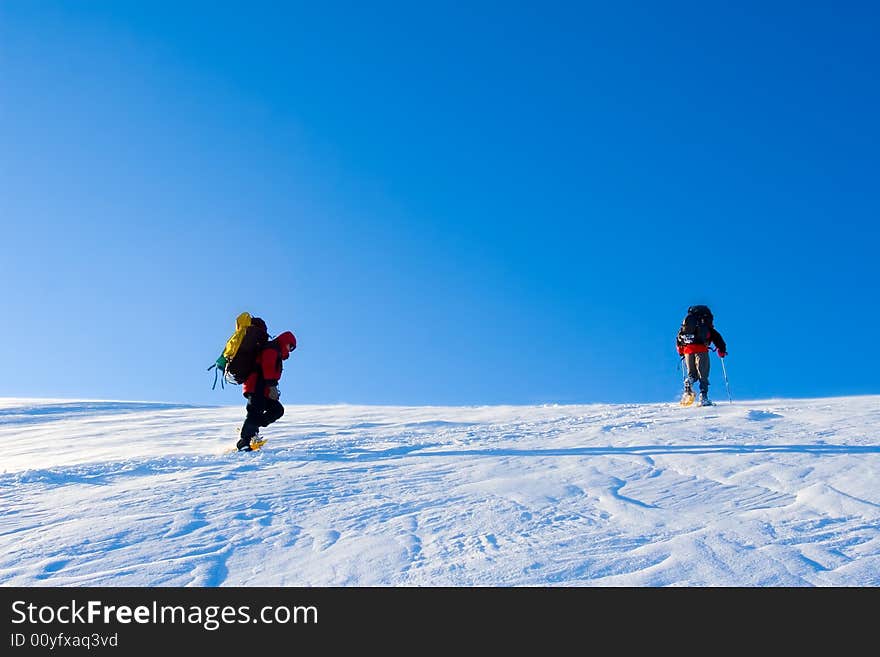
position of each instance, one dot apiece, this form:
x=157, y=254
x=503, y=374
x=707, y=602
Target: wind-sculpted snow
x=762, y=493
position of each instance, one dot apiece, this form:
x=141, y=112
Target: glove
x=272, y=393
x=721, y=354
x=221, y=363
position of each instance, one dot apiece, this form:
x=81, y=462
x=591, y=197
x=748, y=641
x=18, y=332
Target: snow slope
x=778, y=492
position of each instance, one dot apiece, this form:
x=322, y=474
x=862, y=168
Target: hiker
x=261, y=389
x=697, y=332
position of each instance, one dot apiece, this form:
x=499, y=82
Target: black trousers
x=261, y=412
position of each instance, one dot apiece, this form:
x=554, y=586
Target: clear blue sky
x=503, y=203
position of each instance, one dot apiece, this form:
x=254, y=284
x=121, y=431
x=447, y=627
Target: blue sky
x=495, y=204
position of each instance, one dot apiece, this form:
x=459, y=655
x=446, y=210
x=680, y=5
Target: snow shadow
x=759, y=416
x=632, y=450
x=99, y=474
x=69, y=410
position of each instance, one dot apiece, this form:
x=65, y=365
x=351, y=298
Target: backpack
x=239, y=358
x=696, y=328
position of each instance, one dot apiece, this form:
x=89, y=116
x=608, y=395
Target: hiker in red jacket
x=261, y=389
x=697, y=332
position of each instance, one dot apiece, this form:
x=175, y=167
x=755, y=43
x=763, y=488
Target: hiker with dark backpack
x=251, y=359
x=261, y=390
x=239, y=356
x=697, y=332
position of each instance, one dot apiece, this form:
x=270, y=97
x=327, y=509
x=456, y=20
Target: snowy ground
x=760, y=493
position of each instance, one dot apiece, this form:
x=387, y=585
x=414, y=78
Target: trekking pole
x=726, y=382
x=684, y=376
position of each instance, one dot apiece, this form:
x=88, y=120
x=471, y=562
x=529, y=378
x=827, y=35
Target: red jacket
x=693, y=349
x=714, y=337
x=269, y=363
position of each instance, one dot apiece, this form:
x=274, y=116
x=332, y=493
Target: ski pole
x=726, y=382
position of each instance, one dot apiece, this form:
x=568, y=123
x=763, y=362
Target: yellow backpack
x=239, y=355
x=233, y=343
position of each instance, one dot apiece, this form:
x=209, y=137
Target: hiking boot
x=243, y=445
x=687, y=387
x=704, y=399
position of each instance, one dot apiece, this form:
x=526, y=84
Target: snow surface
x=780, y=492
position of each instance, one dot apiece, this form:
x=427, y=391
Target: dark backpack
x=696, y=328
x=244, y=362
